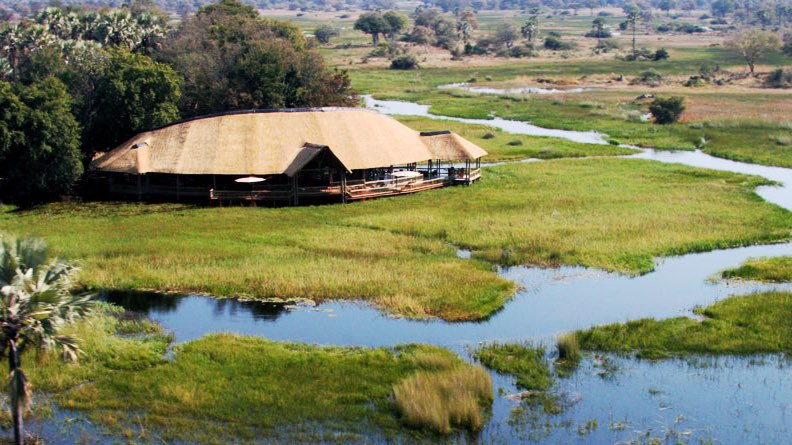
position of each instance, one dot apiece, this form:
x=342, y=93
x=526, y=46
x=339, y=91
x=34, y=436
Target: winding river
x=725, y=399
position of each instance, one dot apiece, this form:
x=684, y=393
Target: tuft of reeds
x=568, y=354
x=441, y=401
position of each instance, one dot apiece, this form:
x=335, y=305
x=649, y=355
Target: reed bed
x=441, y=401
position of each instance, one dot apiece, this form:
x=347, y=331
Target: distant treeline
x=761, y=10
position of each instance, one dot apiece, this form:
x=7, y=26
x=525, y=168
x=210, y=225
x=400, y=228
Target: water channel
x=723, y=399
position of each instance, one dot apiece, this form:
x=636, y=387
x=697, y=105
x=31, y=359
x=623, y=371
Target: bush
x=667, y=110
x=787, y=48
x=488, y=136
x=556, y=44
x=515, y=143
x=324, y=33
x=404, y=62
x=650, y=78
x=607, y=45
x=779, y=79
x=388, y=50
x=660, y=54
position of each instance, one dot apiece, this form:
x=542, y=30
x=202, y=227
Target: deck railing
x=355, y=189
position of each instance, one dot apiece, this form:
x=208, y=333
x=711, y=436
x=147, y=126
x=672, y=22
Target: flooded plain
x=609, y=399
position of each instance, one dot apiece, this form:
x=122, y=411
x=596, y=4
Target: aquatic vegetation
x=777, y=269
x=225, y=386
x=568, y=354
x=757, y=323
x=524, y=361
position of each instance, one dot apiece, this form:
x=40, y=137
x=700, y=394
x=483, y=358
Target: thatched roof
x=451, y=146
x=280, y=141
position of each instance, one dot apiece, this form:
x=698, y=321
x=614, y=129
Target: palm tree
x=35, y=305
x=11, y=43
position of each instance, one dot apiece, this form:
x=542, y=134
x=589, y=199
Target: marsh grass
x=751, y=324
x=441, y=400
x=224, y=387
x=569, y=355
x=525, y=361
x=775, y=269
x=400, y=253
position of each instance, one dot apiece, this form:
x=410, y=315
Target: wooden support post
x=343, y=187
x=467, y=170
x=295, y=198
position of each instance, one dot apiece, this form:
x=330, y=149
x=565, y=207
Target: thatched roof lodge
x=288, y=156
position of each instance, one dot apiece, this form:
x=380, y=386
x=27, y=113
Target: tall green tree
x=134, y=94
x=39, y=141
x=36, y=303
x=372, y=23
x=397, y=22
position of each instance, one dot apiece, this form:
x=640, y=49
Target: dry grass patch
x=442, y=400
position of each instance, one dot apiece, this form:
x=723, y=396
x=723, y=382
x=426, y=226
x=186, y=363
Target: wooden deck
x=351, y=190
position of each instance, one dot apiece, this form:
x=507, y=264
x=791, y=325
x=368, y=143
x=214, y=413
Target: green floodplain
x=400, y=254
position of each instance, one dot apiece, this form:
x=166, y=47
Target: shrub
x=660, y=54
x=779, y=79
x=650, y=78
x=606, y=45
x=787, y=47
x=488, y=136
x=667, y=110
x=404, y=62
x=515, y=142
x=324, y=33
x=556, y=44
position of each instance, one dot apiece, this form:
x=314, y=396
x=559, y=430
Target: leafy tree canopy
x=39, y=141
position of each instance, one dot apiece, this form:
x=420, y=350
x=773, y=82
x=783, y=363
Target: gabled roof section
x=448, y=145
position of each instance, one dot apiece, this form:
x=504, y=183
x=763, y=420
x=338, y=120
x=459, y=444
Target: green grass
x=501, y=146
x=757, y=323
x=614, y=214
x=525, y=362
x=776, y=269
x=229, y=388
x=397, y=253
